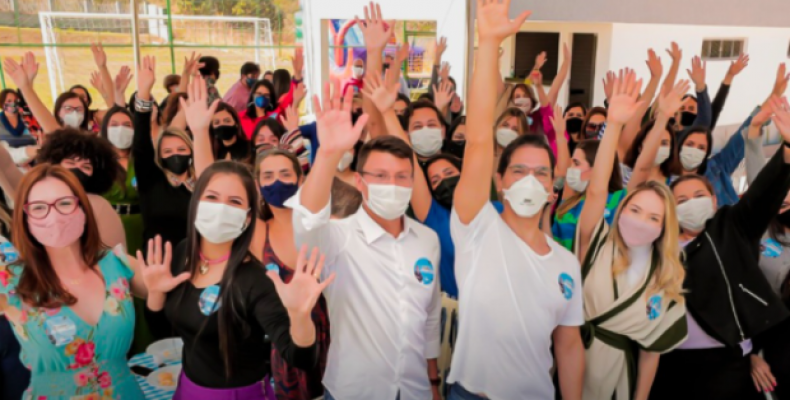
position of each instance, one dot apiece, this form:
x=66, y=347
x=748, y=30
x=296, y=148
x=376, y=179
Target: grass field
x=77, y=62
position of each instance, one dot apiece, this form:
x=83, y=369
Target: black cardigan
x=738, y=303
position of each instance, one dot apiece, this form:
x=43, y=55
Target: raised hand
x=301, y=293
x=196, y=109
x=608, y=84
x=782, y=77
x=624, y=101
x=566, y=53
x=441, y=46
x=654, y=64
x=675, y=52
x=290, y=119
x=16, y=72
x=191, y=65
x=146, y=77
x=443, y=95
x=540, y=61
x=375, y=30
x=781, y=116
x=333, y=120
x=558, y=122
x=99, y=56
x=762, y=117
x=669, y=103
x=298, y=62
x=738, y=65
x=536, y=77
x=122, y=80
x=299, y=94
x=96, y=81
x=697, y=73
x=382, y=94
x=402, y=54
x=157, y=276
x=493, y=22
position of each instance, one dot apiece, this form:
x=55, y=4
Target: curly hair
x=68, y=142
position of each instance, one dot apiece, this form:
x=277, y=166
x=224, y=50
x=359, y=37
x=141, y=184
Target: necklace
x=205, y=262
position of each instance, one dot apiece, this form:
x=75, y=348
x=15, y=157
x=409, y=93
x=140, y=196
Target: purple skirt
x=188, y=390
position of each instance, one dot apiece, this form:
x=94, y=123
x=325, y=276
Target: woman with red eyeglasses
x=68, y=297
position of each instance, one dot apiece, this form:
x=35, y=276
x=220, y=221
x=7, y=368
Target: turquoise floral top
x=69, y=359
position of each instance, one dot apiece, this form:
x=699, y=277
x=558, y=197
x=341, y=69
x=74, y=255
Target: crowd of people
x=502, y=247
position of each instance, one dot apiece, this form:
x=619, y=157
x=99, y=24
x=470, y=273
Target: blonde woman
x=631, y=272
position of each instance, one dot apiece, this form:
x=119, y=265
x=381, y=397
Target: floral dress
x=69, y=359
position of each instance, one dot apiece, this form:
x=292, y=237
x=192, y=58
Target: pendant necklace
x=205, y=262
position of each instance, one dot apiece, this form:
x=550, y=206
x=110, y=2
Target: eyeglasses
x=384, y=178
x=40, y=209
x=69, y=109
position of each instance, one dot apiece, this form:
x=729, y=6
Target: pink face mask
x=58, y=230
x=636, y=232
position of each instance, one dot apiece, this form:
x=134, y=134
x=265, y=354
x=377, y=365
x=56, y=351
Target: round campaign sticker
x=654, y=307
x=566, y=285
x=209, y=300
x=423, y=271
x=8, y=253
x=272, y=267
x=770, y=248
x=134, y=182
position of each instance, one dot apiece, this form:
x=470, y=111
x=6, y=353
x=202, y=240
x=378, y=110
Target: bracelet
x=436, y=382
x=142, y=105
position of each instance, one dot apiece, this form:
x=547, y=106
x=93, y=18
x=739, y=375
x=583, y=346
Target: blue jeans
x=457, y=392
x=14, y=377
x=328, y=396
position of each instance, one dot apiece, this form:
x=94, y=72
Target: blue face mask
x=278, y=192
x=261, y=102
x=251, y=82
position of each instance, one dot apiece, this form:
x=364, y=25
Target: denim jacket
x=722, y=165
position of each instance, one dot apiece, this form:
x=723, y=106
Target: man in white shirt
x=385, y=303
x=519, y=291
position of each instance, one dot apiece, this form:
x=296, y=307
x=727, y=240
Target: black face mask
x=85, y=179
x=456, y=148
x=574, y=125
x=225, y=132
x=445, y=190
x=784, y=219
x=177, y=164
x=687, y=118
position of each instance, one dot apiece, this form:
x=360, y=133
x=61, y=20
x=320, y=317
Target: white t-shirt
x=510, y=301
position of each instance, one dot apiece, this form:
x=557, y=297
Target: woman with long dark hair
x=68, y=296
x=228, y=141
x=216, y=291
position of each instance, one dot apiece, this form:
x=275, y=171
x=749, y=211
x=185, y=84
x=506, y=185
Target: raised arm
x=198, y=114
x=724, y=90
x=563, y=151
x=106, y=94
x=622, y=106
x=493, y=27
x=191, y=66
x=635, y=123
x=384, y=96
x=143, y=152
x=677, y=55
x=122, y=81
x=667, y=105
x=23, y=74
x=697, y=73
x=441, y=46
x=10, y=175
x=376, y=33
x=753, y=153
x=562, y=76
x=100, y=58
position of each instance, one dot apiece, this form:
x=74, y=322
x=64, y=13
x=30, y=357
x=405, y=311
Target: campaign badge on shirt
x=607, y=213
x=423, y=271
x=209, y=300
x=566, y=285
x=654, y=307
x=60, y=330
x=8, y=253
x=134, y=182
x=770, y=248
x=273, y=267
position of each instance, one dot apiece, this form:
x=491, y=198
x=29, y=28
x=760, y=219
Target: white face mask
x=505, y=135
x=662, y=155
x=693, y=214
x=527, y=196
x=220, y=223
x=345, y=162
x=524, y=104
x=358, y=71
x=691, y=157
x=426, y=141
x=388, y=201
x=73, y=119
x=574, y=180
x=120, y=136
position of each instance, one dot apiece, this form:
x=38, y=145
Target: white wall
x=767, y=47
x=450, y=16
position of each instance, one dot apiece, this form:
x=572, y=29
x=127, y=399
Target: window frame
x=708, y=42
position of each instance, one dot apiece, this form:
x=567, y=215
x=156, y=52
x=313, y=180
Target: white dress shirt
x=384, y=305
x=511, y=299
